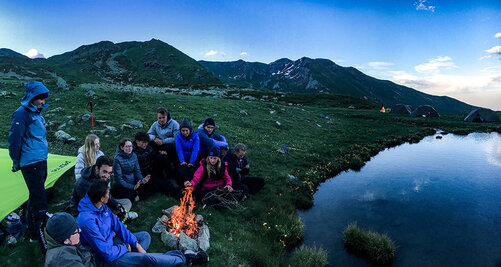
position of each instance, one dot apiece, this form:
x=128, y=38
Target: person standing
x=28, y=150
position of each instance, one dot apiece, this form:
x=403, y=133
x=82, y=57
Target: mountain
x=5, y=52
x=307, y=75
x=150, y=63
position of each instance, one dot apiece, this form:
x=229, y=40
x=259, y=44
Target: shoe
x=131, y=215
x=136, y=199
x=193, y=258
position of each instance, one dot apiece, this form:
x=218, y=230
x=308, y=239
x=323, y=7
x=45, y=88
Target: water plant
x=377, y=248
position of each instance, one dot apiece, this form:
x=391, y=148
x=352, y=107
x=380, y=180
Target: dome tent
x=401, y=109
x=425, y=111
x=482, y=115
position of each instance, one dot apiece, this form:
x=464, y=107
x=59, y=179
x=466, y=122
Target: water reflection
x=440, y=200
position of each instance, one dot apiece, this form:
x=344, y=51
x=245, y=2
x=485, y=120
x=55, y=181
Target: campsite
x=296, y=146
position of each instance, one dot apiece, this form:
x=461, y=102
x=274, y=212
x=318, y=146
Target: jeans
x=35, y=175
x=134, y=258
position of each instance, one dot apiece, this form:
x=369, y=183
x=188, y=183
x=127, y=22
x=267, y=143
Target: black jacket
x=236, y=166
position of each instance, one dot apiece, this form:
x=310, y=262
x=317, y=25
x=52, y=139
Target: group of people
x=167, y=158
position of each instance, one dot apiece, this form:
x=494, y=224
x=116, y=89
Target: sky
x=440, y=47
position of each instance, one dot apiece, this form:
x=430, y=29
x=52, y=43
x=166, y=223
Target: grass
x=312, y=257
x=311, y=144
x=377, y=248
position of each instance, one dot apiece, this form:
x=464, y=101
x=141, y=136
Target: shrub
x=378, y=248
x=305, y=256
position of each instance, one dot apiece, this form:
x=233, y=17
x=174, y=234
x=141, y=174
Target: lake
x=439, y=200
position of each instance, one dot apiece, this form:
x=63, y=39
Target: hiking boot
x=131, y=215
x=193, y=258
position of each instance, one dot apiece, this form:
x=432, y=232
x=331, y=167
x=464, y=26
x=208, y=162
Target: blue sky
x=439, y=47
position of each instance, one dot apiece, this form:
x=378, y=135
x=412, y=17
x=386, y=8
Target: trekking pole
x=91, y=115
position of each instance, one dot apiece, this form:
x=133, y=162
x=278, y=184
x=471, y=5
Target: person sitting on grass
x=238, y=168
x=208, y=138
x=87, y=154
x=187, y=145
x=63, y=243
x=113, y=243
x=101, y=170
x=151, y=165
x=211, y=175
x=128, y=178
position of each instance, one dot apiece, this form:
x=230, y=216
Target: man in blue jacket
x=208, y=138
x=28, y=150
x=99, y=226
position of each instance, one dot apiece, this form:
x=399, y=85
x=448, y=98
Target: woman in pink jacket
x=211, y=175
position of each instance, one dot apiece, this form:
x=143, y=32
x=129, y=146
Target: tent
x=425, y=111
x=13, y=191
x=401, y=109
x=482, y=115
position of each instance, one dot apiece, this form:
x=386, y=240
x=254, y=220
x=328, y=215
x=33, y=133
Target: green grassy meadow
x=294, y=145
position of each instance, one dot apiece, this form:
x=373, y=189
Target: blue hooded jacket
x=187, y=148
x=207, y=141
x=98, y=228
x=27, y=135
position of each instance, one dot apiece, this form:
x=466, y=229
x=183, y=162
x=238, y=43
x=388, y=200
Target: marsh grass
x=306, y=256
x=311, y=144
x=377, y=248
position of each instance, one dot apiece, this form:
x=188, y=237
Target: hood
x=33, y=89
x=51, y=243
x=86, y=205
x=186, y=124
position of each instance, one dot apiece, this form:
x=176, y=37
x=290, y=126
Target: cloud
x=484, y=57
x=211, y=53
x=421, y=5
x=244, y=54
x=433, y=65
x=494, y=50
x=33, y=53
x=497, y=35
x=379, y=65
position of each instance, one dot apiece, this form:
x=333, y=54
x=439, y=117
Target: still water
x=439, y=200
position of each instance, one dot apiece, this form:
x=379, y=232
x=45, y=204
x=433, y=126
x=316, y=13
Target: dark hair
x=97, y=190
x=142, y=136
x=240, y=147
x=104, y=160
x=123, y=141
x=162, y=111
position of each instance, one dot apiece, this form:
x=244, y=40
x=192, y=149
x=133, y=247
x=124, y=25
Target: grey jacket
x=166, y=132
x=61, y=255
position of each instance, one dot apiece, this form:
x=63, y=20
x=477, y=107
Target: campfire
x=182, y=229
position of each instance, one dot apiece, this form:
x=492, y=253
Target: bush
x=378, y=248
x=305, y=256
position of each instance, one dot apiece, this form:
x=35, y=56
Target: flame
x=183, y=218
x=382, y=110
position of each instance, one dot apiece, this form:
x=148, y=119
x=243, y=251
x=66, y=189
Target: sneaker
x=131, y=215
x=193, y=258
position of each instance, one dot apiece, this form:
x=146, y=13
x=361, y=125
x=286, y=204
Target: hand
x=190, y=165
x=230, y=189
x=140, y=249
x=184, y=163
x=162, y=152
x=158, y=141
x=187, y=184
x=247, y=166
x=128, y=248
x=137, y=185
x=146, y=178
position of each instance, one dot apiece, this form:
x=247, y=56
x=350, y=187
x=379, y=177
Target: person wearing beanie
x=211, y=175
x=28, y=150
x=208, y=138
x=63, y=243
x=187, y=146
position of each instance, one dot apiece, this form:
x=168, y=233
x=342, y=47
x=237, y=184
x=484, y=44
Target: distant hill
x=5, y=52
x=151, y=63
x=308, y=75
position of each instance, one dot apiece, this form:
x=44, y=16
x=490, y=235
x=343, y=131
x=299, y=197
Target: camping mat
x=13, y=190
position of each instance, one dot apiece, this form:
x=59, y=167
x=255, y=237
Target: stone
x=63, y=136
x=90, y=94
x=278, y=123
x=169, y=210
x=272, y=112
x=351, y=107
x=159, y=226
x=170, y=240
x=61, y=83
x=110, y=128
x=280, y=150
x=135, y=124
x=71, y=122
x=58, y=109
x=243, y=112
x=318, y=125
x=292, y=177
x=248, y=97
x=98, y=132
x=62, y=127
x=185, y=243
x=203, y=238
x=86, y=117
x=199, y=218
